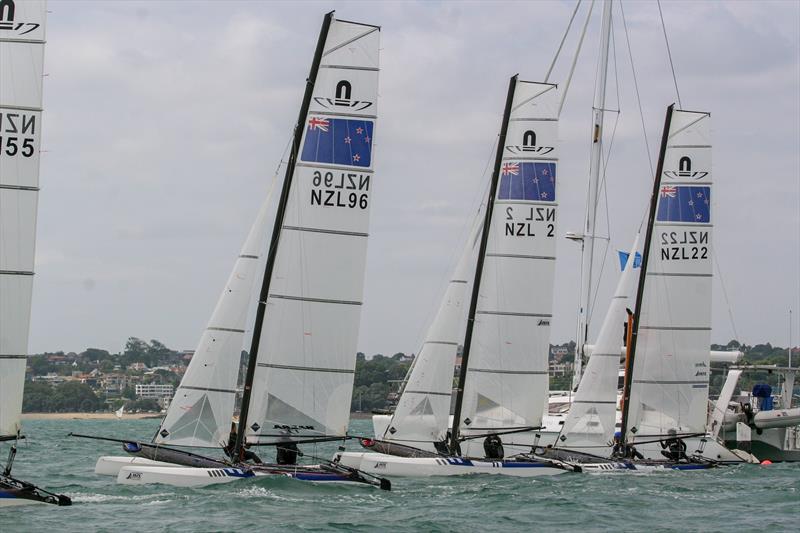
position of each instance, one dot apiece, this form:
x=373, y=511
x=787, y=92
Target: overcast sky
x=164, y=122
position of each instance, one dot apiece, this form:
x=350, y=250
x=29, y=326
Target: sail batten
x=21, y=70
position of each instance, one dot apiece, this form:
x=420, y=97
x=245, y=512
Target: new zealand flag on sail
x=338, y=141
x=681, y=203
x=528, y=181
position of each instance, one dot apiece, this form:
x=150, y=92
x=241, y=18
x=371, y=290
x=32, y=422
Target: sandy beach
x=86, y=416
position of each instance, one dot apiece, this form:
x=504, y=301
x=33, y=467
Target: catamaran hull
x=14, y=492
x=181, y=476
x=604, y=468
x=109, y=465
x=379, y=464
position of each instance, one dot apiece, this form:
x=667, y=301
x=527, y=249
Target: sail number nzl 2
x=684, y=245
x=526, y=222
x=340, y=189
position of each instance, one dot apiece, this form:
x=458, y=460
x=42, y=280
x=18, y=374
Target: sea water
x=737, y=498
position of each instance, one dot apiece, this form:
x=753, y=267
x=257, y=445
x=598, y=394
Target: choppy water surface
x=731, y=498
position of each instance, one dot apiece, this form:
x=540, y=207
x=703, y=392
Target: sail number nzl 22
x=340, y=189
x=684, y=245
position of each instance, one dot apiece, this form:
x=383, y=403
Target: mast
x=648, y=237
x=592, y=192
x=476, y=285
x=276, y=231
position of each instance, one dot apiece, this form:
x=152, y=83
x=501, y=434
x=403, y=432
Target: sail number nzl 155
x=17, y=134
x=340, y=189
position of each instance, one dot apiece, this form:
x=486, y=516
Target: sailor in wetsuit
x=287, y=453
x=674, y=448
x=493, y=447
x=624, y=451
x=245, y=455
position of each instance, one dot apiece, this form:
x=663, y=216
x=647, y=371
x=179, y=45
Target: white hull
x=189, y=476
x=379, y=464
x=638, y=468
x=179, y=476
x=513, y=444
x=523, y=443
x=711, y=450
x=16, y=502
x=110, y=465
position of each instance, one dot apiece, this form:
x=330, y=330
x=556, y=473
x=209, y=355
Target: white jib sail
x=22, y=26
x=423, y=412
x=201, y=410
x=303, y=380
x=592, y=417
x=507, y=375
x=670, y=374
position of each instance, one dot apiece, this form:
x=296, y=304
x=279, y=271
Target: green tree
x=37, y=397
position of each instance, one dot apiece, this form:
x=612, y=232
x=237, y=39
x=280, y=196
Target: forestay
x=592, y=417
x=507, y=375
x=303, y=380
x=423, y=412
x=669, y=389
x=22, y=33
x=201, y=410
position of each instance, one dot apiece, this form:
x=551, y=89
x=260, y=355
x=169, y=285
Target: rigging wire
x=575, y=60
x=603, y=185
x=638, y=97
x=564, y=38
x=669, y=54
x=725, y=294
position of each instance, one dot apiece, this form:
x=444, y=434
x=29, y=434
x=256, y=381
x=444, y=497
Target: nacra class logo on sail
x=8, y=24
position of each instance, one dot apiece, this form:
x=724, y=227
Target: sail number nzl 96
x=526, y=222
x=340, y=189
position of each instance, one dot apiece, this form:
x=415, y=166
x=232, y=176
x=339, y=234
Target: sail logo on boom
x=529, y=145
x=685, y=170
x=7, y=11
x=342, y=98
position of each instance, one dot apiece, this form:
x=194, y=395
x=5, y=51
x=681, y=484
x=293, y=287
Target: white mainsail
x=201, y=410
x=303, y=379
x=669, y=388
x=507, y=371
x=592, y=416
x=423, y=412
x=22, y=33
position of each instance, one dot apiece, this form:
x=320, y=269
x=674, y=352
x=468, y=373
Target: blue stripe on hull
x=516, y=464
x=319, y=477
x=691, y=467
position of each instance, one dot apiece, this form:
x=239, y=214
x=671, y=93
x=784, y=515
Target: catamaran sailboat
x=503, y=382
x=21, y=63
x=301, y=364
x=665, y=397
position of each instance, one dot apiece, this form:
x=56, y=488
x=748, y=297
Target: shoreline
x=88, y=416
x=126, y=416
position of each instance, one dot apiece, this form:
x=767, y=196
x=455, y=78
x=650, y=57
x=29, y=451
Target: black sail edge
x=453, y=445
x=276, y=231
x=626, y=393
